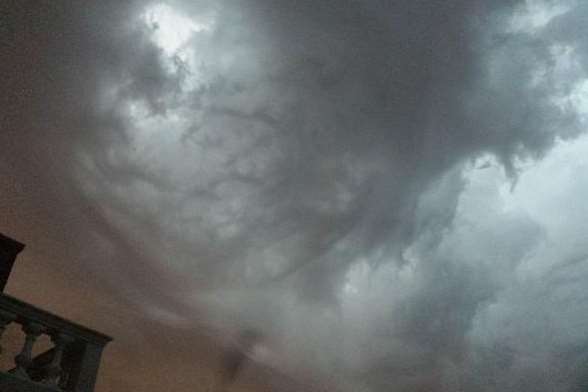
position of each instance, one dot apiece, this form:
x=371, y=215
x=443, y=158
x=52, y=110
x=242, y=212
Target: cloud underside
x=372, y=183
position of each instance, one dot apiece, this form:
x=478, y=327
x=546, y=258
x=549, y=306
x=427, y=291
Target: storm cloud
x=391, y=190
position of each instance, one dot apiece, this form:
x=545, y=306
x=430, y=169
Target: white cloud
x=171, y=28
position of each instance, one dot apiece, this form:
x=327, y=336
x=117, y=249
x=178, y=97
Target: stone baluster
x=5, y=319
x=24, y=359
x=54, y=370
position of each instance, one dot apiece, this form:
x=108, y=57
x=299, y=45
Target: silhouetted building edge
x=9, y=249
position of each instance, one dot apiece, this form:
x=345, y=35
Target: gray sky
x=391, y=191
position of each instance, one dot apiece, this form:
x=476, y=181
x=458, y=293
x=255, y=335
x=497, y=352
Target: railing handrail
x=26, y=312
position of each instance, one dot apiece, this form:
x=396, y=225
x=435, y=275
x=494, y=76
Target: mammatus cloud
x=328, y=172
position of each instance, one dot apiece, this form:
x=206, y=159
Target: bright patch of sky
x=171, y=29
x=535, y=14
x=174, y=32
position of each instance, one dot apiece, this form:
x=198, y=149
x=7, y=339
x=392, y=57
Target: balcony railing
x=70, y=366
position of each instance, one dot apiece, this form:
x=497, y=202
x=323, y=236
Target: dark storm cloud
x=281, y=148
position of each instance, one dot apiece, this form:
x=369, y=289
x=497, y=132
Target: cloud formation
x=328, y=172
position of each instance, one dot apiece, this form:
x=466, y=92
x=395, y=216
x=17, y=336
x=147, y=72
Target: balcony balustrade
x=71, y=365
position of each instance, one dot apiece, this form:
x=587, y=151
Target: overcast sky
x=392, y=191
